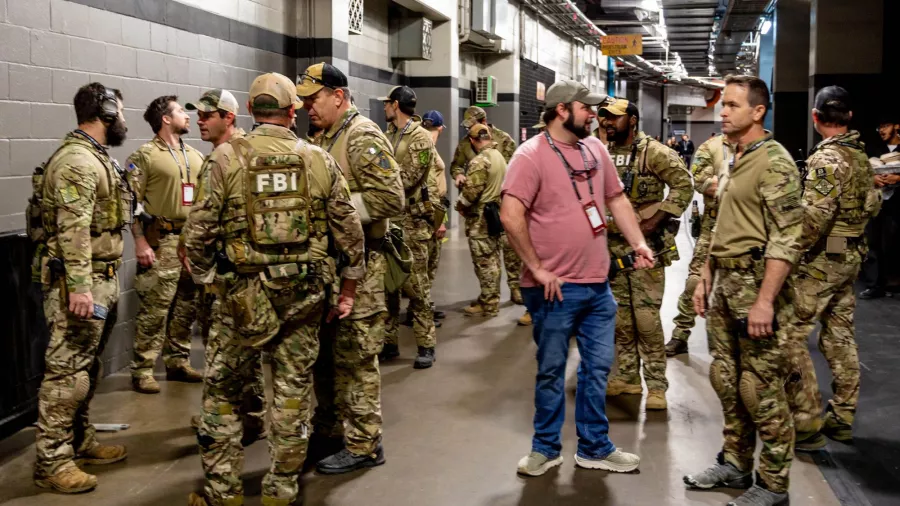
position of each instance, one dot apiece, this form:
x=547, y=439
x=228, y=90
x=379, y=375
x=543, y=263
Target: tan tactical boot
x=656, y=400
x=619, y=387
x=196, y=500
x=186, y=374
x=525, y=320
x=101, y=455
x=516, y=296
x=476, y=309
x=195, y=422
x=145, y=385
x=68, y=480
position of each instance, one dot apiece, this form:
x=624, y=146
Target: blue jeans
x=589, y=312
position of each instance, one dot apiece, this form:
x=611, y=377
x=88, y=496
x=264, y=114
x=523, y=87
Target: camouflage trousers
x=684, y=321
x=166, y=312
x=512, y=263
x=749, y=375
x=70, y=376
x=346, y=373
x=639, y=332
x=434, y=258
x=823, y=292
x=418, y=235
x=230, y=361
x=485, y=253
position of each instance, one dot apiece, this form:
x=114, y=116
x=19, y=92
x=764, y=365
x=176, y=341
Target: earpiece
x=109, y=105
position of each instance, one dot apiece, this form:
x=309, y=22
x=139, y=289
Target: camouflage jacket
x=464, y=152
x=760, y=204
x=708, y=161
x=413, y=149
x=222, y=213
x=483, y=182
x=86, y=204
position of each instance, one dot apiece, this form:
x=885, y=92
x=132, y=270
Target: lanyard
x=337, y=134
x=186, y=161
x=402, y=132
x=572, y=172
x=745, y=153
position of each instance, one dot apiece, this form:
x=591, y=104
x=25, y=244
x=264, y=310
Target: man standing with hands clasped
x=554, y=198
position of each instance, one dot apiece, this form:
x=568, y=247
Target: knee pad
x=82, y=387
x=750, y=388
x=715, y=378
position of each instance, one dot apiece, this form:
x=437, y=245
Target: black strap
x=589, y=168
x=337, y=134
x=402, y=133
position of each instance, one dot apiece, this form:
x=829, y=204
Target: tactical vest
x=273, y=218
x=642, y=185
x=859, y=202
x=34, y=222
x=377, y=228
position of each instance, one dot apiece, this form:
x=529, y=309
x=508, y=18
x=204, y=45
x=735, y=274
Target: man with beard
x=163, y=174
x=646, y=167
x=85, y=205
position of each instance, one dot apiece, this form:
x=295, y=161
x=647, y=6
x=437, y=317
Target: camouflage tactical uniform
x=760, y=218
x=86, y=204
x=347, y=378
x=275, y=299
x=437, y=185
x=156, y=179
x=482, y=186
x=839, y=197
x=639, y=333
x=413, y=152
x=707, y=162
x=463, y=155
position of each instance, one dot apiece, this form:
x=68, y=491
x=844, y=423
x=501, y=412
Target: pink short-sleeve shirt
x=559, y=228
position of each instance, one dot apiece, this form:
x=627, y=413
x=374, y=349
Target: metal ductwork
x=740, y=20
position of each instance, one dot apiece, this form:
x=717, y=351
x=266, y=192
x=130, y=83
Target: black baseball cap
x=318, y=76
x=833, y=97
x=402, y=94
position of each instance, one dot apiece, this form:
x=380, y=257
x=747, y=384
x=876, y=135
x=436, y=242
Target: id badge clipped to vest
x=598, y=224
x=187, y=194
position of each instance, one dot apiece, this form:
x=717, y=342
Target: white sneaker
x=536, y=464
x=617, y=462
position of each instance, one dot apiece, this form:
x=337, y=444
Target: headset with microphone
x=109, y=105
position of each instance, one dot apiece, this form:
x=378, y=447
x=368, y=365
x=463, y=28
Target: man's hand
x=759, y=321
x=145, y=255
x=643, y=257
x=182, y=255
x=81, y=305
x=880, y=180
x=700, y=294
x=651, y=224
x=713, y=187
x=891, y=178
x=441, y=231
x=461, y=180
x=343, y=309
x=551, y=283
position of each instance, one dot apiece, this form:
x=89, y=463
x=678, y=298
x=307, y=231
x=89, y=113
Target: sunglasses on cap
x=315, y=80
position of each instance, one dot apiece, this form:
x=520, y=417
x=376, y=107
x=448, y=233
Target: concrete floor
x=452, y=434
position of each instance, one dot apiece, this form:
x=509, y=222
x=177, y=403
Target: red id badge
x=595, y=218
x=187, y=194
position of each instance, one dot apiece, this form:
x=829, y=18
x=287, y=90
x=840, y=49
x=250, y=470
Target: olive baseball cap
x=619, y=107
x=318, y=76
x=473, y=115
x=480, y=132
x=214, y=100
x=566, y=92
x=402, y=94
x=276, y=86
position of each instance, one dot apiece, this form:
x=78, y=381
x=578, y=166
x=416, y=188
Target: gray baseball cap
x=566, y=92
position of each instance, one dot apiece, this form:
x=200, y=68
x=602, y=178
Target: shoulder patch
x=69, y=194
x=424, y=156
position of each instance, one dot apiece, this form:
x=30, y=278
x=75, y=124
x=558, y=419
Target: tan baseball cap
x=566, y=92
x=276, y=86
x=214, y=100
x=318, y=76
x=539, y=125
x=473, y=115
x=480, y=132
x=620, y=107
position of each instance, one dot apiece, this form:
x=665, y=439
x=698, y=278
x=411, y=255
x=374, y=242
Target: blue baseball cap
x=432, y=119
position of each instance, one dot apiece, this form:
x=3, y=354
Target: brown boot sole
x=49, y=484
x=145, y=390
x=628, y=390
x=183, y=378
x=658, y=407
x=99, y=462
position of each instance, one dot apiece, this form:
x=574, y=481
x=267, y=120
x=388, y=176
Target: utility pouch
x=835, y=245
x=399, y=260
x=254, y=316
x=492, y=218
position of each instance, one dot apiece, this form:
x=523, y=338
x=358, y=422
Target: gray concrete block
x=26, y=154
x=66, y=84
x=121, y=61
x=171, y=40
x=177, y=69
x=4, y=158
x=219, y=76
x=242, y=98
x=29, y=83
x=228, y=53
x=3, y=12
x=158, y=37
x=188, y=44
x=51, y=121
x=105, y=26
x=15, y=44
x=235, y=79
x=15, y=193
x=110, y=82
x=33, y=13
x=50, y=49
x=209, y=48
x=135, y=33
x=137, y=127
x=69, y=18
x=188, y=92
x=141, y=92
x=151, y=65
x=87, y=55
x=198, y=73
x=4, y=80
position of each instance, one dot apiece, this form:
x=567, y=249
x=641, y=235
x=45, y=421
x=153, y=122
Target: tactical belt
x=745, y=261
x=167, y=227
x=279, y=271
x=108, y=269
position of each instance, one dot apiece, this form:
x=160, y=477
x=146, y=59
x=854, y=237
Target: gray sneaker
x=536, y=464
x=758, y=496
x=719, y=475
x=616, y=462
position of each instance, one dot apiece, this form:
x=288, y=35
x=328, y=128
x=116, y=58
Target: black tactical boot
x=425, y=359
x=346, y=461
x=389, y=352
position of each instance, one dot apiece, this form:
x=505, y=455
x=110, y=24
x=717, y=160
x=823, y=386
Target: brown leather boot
x=515, y=296
x=145, y=385
x=656, y=400
x=619, y=387
x=68, y=480
x=186, y=374
x=525, y=320
x=101, y=455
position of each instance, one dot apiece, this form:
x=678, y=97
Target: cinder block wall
x=48, y=48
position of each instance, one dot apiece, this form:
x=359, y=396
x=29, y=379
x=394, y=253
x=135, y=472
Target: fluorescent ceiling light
x=766, y=26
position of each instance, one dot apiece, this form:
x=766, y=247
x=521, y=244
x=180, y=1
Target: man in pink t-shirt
x=557, y=188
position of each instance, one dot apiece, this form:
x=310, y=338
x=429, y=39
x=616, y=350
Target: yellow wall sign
x=618, y=45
